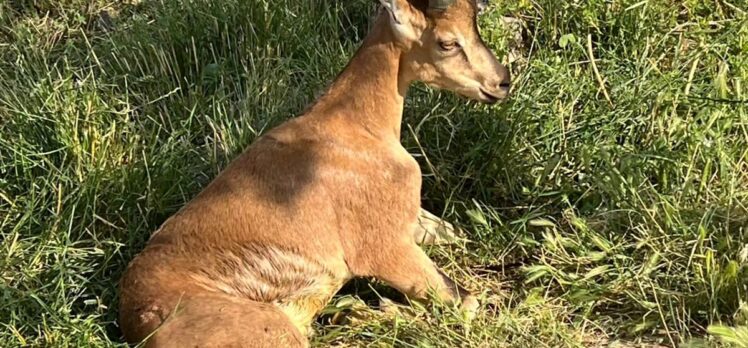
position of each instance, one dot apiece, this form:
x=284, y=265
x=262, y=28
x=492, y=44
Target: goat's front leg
x=411, y=271
x=432, y=230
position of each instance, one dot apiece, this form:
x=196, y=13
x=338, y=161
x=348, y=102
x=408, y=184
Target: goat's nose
x=504, y=86
x=505, y=79
x=501, y=86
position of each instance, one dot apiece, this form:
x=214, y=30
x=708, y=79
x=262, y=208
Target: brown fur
x=323, y=198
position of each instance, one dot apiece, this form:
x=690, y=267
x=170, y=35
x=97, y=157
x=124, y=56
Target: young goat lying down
x=325, y=197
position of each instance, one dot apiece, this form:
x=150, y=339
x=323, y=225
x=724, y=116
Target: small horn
x=440, y=4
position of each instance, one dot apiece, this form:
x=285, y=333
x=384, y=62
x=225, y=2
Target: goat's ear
x=392, y=9
x=400, y=18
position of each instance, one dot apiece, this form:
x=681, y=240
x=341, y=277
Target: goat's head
x=443, y=47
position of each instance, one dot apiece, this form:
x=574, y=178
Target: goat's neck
x=370, y=91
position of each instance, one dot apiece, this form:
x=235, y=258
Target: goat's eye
x=449, y=45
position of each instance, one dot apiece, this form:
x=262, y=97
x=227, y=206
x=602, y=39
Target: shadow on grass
x=110, y=125
x=140, y=108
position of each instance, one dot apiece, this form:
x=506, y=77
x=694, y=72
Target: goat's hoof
x=432, y=230
x=469, y=307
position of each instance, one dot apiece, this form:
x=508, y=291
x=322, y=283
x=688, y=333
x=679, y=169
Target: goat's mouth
x=491, y=97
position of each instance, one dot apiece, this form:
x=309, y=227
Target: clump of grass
x=604, y=204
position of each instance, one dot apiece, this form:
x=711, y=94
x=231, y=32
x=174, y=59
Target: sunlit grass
x=590, y=221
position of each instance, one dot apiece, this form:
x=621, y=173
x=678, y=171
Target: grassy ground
x=592, y=220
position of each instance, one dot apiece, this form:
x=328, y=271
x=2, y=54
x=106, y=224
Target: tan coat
x=323, y=198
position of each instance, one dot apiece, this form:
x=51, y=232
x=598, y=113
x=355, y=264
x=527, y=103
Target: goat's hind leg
x=223, y=321
x=432, y=230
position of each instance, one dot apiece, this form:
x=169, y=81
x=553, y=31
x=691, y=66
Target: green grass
x=590, y=222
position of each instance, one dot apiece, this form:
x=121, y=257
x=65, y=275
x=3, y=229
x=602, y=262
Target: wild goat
x=325, y=197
